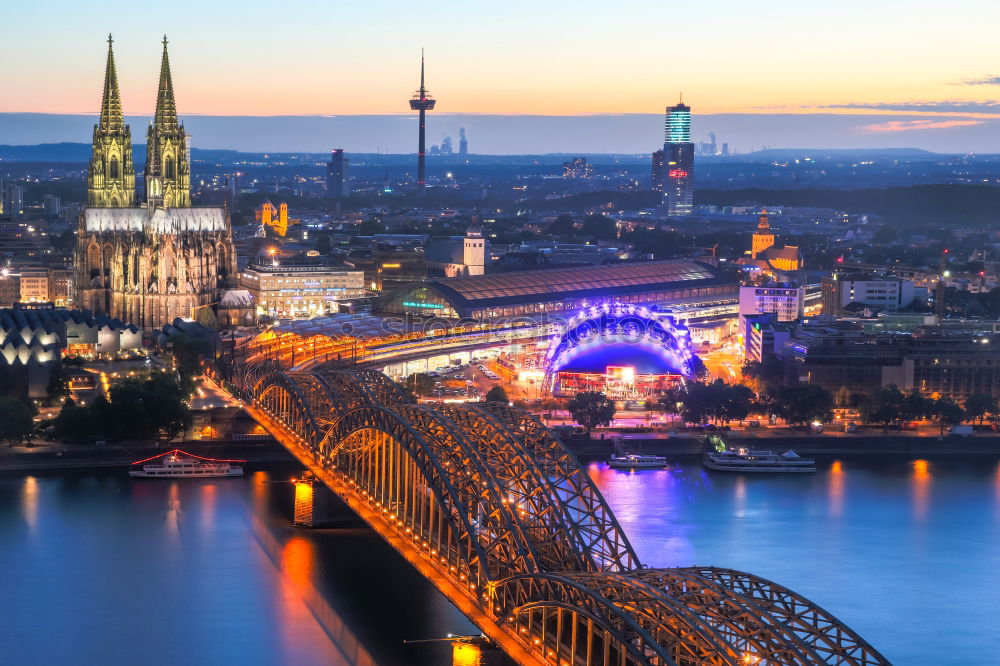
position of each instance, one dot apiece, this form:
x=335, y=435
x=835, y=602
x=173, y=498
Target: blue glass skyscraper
x=678, y=152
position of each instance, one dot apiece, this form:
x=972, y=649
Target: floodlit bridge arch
x=492, y=508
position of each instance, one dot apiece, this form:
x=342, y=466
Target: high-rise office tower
x=678, y=191
x=658, y=171
x=13, y=200
x=463, y=142
x=422, y=102
x=336, y=174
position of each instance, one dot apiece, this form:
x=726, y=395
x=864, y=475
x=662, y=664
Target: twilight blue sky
x=909, y=72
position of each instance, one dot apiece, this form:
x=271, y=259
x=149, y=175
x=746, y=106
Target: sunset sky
x=555, y=57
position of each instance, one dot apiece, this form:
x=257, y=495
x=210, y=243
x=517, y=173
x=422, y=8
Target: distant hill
x=838, y=153
x=80, y=152
x=930, y=205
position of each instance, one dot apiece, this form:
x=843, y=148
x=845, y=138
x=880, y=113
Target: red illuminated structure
x=422, y=102
x=178, y=452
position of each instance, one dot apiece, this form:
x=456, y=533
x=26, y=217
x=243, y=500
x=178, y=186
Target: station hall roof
x=576, y=282
x=348, y=325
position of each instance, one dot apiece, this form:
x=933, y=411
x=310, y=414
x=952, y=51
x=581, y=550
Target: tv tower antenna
x=422, y=102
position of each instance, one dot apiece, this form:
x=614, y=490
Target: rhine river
x=102, y=569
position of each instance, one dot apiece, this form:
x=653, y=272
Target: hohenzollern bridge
x=491, y=507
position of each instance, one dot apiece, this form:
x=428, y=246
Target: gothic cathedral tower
x=111, y=176
x=168, y=163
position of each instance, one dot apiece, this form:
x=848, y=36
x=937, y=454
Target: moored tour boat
x=637, y=461
x=179, y=464
x=749, y=460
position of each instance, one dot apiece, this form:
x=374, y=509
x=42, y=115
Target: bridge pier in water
x=313, y=501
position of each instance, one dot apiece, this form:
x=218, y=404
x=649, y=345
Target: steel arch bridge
x=488, y=504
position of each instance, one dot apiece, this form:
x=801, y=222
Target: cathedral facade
x=147, y=263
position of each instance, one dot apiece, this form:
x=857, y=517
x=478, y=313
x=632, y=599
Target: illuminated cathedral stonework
x=149, y=263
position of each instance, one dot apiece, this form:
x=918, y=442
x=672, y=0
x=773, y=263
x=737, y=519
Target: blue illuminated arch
x=615, y=323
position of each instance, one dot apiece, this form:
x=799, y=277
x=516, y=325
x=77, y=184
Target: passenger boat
x=749, y=460
x=637, y=461
x=179, y=464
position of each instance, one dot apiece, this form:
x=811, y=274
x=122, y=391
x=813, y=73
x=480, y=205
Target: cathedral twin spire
x=111, y=176
x=111, y=102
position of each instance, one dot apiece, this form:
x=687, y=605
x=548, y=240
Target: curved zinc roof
x=582, y=281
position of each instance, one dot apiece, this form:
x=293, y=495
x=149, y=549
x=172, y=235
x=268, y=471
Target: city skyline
x=554, y=63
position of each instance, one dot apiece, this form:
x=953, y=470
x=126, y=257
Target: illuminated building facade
x=933, y=360
x=148, y=264
x=763, y=238
x=785, y=301
x=767, y=256
x=461, y=255
x=857, y=291
x=33, y=340
x=301, y=290
x=275, y=218
x=678, y=187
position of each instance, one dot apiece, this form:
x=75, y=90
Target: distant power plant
x=447, y=147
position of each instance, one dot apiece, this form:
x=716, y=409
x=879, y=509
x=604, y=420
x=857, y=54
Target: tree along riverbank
x=859, y=445
x=61, y=456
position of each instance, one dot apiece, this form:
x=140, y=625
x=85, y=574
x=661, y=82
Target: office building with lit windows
x=301, y=290
x=678, y=156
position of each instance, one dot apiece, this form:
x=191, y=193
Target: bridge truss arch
x=487, y=502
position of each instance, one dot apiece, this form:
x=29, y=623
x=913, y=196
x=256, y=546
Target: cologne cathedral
x=147, y=263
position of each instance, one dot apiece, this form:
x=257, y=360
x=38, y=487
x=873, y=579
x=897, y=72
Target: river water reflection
x=103, y=569
x=906, y=553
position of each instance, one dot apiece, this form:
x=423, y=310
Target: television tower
x=421, y=102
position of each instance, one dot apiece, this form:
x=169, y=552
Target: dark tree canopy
x=15, y=420
x=497, y=394
x=591, y=409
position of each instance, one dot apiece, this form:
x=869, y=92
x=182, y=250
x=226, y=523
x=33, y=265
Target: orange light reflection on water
x=836, y=489
x=466, y=654
x=29, y=501
x=298, y=562
x=207, y=504
x=174, y=513
x=921, y=488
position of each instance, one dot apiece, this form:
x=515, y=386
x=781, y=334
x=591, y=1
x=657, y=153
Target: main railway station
x=449, y=321
x=564, y=290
